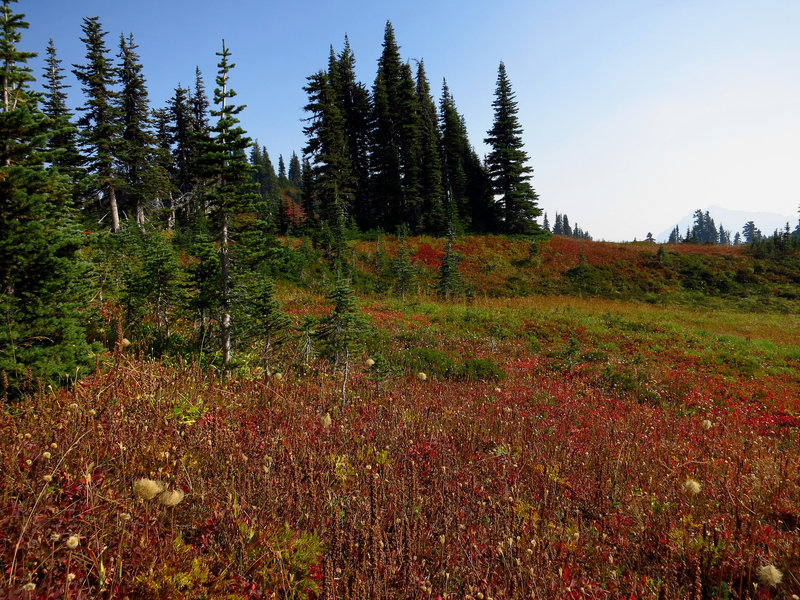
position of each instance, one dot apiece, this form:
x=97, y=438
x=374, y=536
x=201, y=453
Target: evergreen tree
x=429, y=157
x=326, y=150
x=507, y=160
x=99, y=125
x=751, y=233
x=354, y=103
x=264, y=321
x=295, y=171
x=199, y=104
x=42, y=299
x=402, y=268
x=63, y=142
x=281, y=171
x=558, y=228
x=229, y=190
x=453, y=155
x=182, y=140
x=142, y=177
x=449, y=278
x=567, y=229
x=546, y=223
x=396, y=126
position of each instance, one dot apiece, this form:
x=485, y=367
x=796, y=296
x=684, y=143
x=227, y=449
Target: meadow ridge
x=485, y=447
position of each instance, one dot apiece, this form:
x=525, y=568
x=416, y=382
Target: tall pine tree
x=507, y=162
x=229, y=190
x=100, y=126
x=41, y=294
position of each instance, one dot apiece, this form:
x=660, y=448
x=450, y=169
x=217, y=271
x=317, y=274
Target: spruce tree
x=333, y=181
x=264, y=321
x=354, y=103
x=143, y=180
x=229, y=191
x=295, y=171
x=507, y=162
x=433, y=210
x=42, y=298
x=449, y=279
x=100, y=126
x=63, y=142
x=395, y=140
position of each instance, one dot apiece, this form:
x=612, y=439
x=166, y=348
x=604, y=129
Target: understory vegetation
x=544, y=446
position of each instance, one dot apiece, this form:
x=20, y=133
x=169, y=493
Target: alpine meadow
x=373, y=369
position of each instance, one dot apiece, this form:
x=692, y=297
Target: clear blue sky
x=635, y=112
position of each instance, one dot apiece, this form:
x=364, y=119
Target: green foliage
x=480, y=369
x=263, y=322
x=428, y=360
x=341, y=332
x=44, y=302
x=507, y=162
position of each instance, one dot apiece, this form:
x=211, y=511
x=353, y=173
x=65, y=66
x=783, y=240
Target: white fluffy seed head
x=325, y=420
x=769, y=575
x=370, y=362
x=147, y=489
x=421, y=376
x=73, y=541
x=692, y=486
x=707, y=424
x=170, y=498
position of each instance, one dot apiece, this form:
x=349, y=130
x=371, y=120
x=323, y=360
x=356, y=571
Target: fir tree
x=42, y=299
x=395, y=140
x=99, y=125
x=402, y=268
x=449, y=278
x=354, y=103
x=229, y=192
x=429, y=157
x=295, y=171
x=264, y=321
x=326, y=150
x=63, y=142
x=137, y=151
x=510, y=175
x=546, y=223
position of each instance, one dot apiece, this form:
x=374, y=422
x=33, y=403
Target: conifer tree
x=182, y=140
x=326, y=149
x=354, y=102
x=63, y=142
x=394, y=147
x=99, y=125
x=41, y=291
x=402, y=268
x=295, y=171
x=507, y=162
x=229, y=191
x=142, y=177
x=429, y=156
x=449, y=278
x=264, y=321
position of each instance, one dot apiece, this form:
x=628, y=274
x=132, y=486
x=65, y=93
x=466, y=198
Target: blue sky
x=635, y=112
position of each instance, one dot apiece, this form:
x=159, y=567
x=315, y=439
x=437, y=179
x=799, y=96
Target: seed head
x=29, y=587
x=46, y=455
x=421, y=376
x=170, y=497
x=370, y=362
x=769, y=575
x=147, y=489
x=73, y=541
x=325, y=420
x=278, y=376
x=691, y=486
x=707, y=424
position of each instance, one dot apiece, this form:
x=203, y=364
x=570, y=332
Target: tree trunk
x=112, y=200
x=226, y=300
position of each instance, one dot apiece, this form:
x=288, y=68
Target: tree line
x=120, y=213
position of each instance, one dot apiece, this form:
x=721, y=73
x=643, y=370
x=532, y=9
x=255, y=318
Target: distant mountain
x=733, y=220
